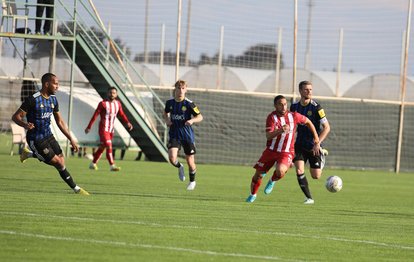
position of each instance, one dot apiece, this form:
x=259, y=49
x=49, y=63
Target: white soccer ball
x=333, y=184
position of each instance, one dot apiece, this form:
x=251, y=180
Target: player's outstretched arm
x=64, y=129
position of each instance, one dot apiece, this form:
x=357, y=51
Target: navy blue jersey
x=316, y=114
x=181, y=112
x=39, y=111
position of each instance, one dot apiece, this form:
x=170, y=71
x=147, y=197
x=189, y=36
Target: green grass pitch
x=144, y=213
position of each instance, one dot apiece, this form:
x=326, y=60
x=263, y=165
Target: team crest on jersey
x=321, y=113
x=45, y=151
x=184, y=108
x=52, y=105
x=309, y=113
x=196, y=110
x=41, y=106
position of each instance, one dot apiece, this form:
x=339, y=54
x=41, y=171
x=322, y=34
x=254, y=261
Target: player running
x=180, y=114
x=304, y=142
x=108, y=109
x=38, y=109
x=280, y=134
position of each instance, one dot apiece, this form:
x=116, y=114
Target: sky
x=372, y=29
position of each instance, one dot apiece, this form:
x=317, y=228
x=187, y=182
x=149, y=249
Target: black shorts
x=315, y=162
x=45, y=149
x=189, y=148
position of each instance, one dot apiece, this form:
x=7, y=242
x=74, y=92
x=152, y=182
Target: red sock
x=97, y=155
x=255, y=185
x=109, y=156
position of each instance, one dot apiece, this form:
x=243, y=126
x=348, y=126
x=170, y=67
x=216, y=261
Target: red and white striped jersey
x=286, y=141
x=108, y=110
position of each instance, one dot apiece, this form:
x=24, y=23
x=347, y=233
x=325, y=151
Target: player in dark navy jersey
x=180, y=114
x=304, y=140
x=38, y=110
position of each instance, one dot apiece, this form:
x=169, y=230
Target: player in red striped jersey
x=280, y=134
x=108, y=109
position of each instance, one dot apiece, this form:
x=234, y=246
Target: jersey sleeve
x=194, y=109
x=95, y=115
x=167, y=107
x=27, y=104
x=321, y=113
x=270, y=123
x=299, y=118
x=56, y=106
x=122, y=114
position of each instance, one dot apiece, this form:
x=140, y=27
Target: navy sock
x=303, y=183
x=64, y=174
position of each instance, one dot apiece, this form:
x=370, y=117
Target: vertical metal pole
x=220, y=58
x=146, y=32
x=72, y=75
x=178, y=40
x=187, y=36
x=404, y=35
x=295, y=44
x=108, y=47
x=4, y=12
x=162, y=44
x=52, y=57
x=403, y=87
x=308, y=36
x=278, y=58
x=339, y=66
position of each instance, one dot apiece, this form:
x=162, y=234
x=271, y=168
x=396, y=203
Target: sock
x=254, y=187
x=303, y=183
x=109, y=156
x=192, y=175
x=97, y=155
x=64, y=174
x=177, y=164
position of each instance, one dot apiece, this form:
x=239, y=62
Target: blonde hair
x=180, y=83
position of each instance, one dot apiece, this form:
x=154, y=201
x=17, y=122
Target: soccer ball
x=333, y=184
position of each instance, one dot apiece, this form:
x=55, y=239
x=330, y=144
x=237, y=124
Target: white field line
x=136, y=245
x=339, y=239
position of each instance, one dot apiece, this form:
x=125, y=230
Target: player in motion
x=304, y=142
x=180, y=114
x=108, y=109
x=38, y=109
x=280, y=134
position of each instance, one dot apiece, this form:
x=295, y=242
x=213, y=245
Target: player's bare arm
x=316, y=143
x=167, y=119
x=197, y=119
x=18, y=117
x=62, y=126
x=326, y=128
x=277, y=132
x=130, y=127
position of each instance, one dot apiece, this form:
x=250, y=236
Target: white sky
x=372, y=28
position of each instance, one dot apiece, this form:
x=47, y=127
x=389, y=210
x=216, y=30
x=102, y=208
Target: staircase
x=100, y=78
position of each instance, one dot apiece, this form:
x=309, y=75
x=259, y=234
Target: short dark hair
x=47, y=78
x=112, y=88
x=304, y=83
x=277, y=98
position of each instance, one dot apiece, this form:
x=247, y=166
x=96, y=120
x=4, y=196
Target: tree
x=259, y=56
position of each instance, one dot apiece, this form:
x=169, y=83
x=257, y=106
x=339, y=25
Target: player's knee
x=316, y=173
x=300, y=171
x=58, y=162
